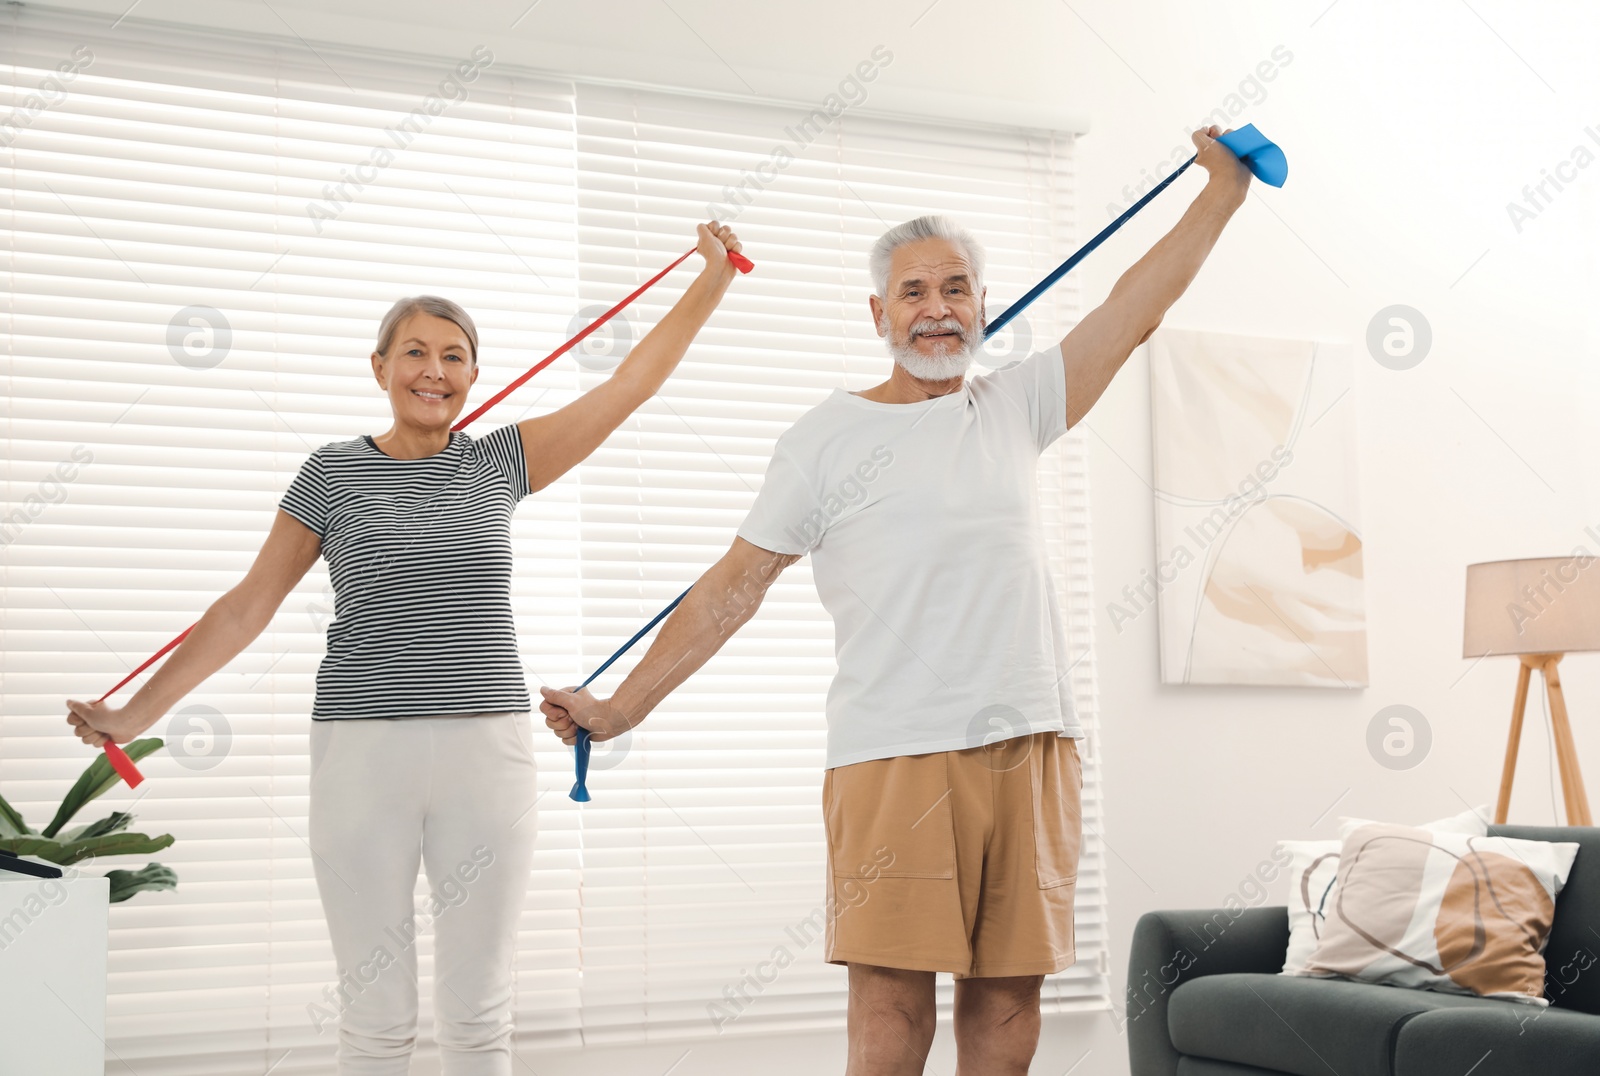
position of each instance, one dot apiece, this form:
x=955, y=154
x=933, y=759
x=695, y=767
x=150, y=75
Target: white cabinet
x=53, y=974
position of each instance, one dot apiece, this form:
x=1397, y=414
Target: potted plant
x=107, y=837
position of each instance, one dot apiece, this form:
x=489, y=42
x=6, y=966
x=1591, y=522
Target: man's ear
x=877, y=313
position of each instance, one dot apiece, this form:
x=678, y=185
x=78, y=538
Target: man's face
x=932, y=317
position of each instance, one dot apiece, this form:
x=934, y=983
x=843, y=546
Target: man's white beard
x=953, y=359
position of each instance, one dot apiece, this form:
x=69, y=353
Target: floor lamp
x=1540, y=610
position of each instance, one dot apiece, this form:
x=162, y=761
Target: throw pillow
x=1313, y=870
x=1453, y=912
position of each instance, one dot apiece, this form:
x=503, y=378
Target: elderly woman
x=420, y=734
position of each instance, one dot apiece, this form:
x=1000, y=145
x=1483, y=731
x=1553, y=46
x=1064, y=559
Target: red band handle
x=115, y=755
x=740, y=262
x=123, y=764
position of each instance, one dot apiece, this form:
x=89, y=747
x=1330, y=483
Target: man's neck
x=902, y=388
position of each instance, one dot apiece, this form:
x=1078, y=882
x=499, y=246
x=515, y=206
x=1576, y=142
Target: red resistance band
x=119, y=758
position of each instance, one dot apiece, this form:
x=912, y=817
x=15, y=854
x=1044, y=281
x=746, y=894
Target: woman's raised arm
x=555, y=443
x=230, y=624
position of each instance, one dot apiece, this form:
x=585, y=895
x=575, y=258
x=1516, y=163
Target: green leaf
x=11, y=823
x=125, y=884
x=115, y=844
x=32, y=845
x=69, y=852
x=116, y=820
x=96, y=778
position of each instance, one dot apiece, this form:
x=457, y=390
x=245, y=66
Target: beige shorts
x=958, y=861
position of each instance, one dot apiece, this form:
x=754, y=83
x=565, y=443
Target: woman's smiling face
x=429, y=368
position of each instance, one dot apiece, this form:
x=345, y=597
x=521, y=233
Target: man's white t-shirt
x=922, y=522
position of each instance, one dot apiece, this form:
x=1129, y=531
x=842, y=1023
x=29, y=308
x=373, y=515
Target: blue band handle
x=583, y=747
x=1263, y=157
x=1259, y=154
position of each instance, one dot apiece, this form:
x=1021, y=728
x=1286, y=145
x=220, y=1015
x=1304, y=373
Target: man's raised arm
x=719, y=603
x=1097, y=347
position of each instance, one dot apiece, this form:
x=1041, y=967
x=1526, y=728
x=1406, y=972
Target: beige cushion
x=1313, y=875
x=1454, y=912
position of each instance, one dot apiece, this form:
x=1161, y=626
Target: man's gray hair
x=932, y=226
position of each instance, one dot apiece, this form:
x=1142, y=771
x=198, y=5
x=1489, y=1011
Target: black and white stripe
x=419, y=553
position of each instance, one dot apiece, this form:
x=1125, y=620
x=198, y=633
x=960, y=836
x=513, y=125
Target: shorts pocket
x=890, y=818
x=1057, y=810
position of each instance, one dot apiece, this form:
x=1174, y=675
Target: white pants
x=455, y=794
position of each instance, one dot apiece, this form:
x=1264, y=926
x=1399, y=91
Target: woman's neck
x=411, y=444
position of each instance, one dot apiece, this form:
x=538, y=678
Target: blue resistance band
x=580, y=790
x=1265, y=161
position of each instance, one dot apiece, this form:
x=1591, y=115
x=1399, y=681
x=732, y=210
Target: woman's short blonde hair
x=425, y=304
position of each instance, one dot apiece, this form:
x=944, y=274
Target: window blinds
x=204, y=232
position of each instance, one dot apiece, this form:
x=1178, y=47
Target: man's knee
x=1011, y=1003
x=913, y=1019
x=902, y=1000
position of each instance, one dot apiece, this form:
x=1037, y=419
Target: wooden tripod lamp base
x=1575, y=799
x=1538, y=610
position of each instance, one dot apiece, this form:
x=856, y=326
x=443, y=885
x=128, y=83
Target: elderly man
x=951, y=796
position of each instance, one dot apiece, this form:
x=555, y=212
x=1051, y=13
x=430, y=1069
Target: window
x=204, y=233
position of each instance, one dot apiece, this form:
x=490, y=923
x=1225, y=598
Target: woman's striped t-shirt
x=419, y=553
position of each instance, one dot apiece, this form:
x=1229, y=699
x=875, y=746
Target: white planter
x=53, y=974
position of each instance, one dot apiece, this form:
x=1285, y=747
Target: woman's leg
x=368, y=783
x=477, y=848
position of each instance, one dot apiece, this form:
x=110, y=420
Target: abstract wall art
x=1258, y=572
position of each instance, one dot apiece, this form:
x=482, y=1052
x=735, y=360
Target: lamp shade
x=1541, y=605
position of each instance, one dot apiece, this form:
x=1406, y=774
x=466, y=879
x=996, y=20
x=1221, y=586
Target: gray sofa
x=1204, y=999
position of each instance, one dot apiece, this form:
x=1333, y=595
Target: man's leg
x=891, y=1021
x=997, y=1025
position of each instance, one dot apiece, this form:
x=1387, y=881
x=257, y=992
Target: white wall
x=1407, y=135
x=1409, y=127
